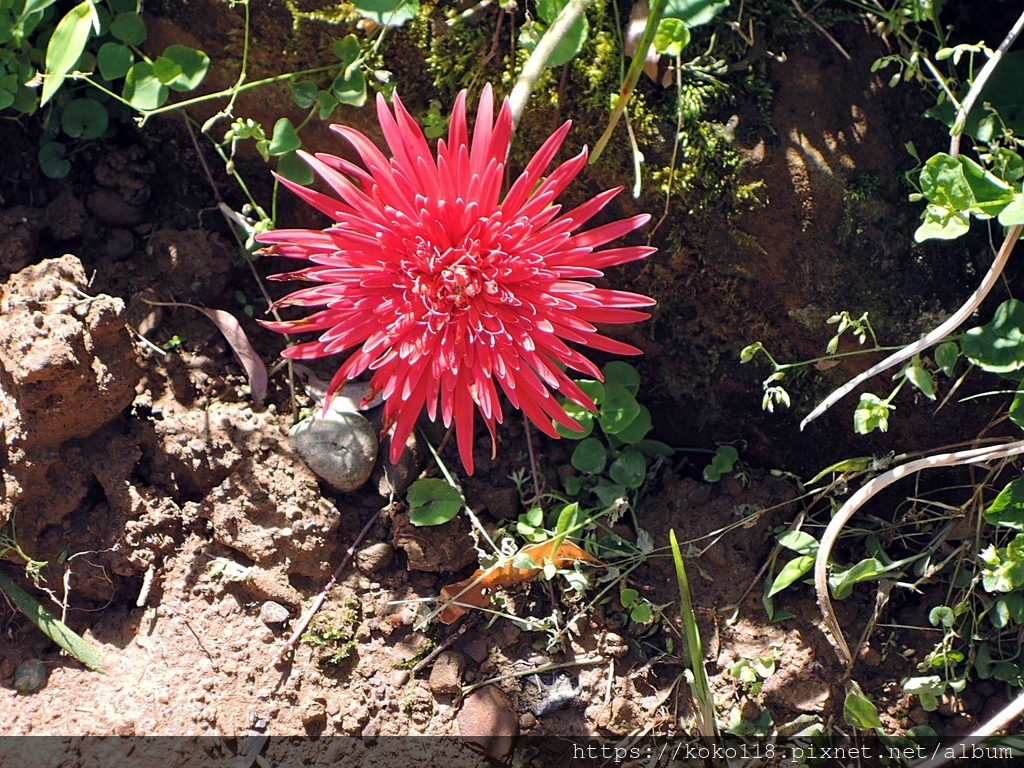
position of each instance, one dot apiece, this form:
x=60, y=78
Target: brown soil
x=172, y=510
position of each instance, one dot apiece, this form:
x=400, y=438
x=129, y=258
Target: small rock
x=488, y=722
x=446, y=673
x=527, y=721
x=613, y=645
x=399, y=678
x=375, y=557
x=272, y=613
x=30, y=675
x=476, y=650
x=341, y=449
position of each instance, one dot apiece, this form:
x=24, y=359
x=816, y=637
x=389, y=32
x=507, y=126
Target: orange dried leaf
x=475, y=591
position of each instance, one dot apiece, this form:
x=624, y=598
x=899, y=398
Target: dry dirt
x=184, y=537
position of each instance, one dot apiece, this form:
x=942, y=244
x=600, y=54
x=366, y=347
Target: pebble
x=399, y=678
x=375, y=557
x=488, y=722
x=272, y=613
x=476, y=650
x=446, y=673
x=340, y=449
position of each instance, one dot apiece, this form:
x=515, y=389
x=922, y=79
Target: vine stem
x=855, y=502
x=541, y=55
x=991, y=277
x=934, y=337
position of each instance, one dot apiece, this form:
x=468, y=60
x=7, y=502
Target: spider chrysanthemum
x=448, y=290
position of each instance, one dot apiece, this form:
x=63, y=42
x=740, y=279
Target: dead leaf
x=253, y=364
x=229, y=326
x=475, y=591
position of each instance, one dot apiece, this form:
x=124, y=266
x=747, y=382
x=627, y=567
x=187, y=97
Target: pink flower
x=448, y=288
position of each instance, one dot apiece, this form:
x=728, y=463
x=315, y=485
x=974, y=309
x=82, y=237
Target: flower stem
x=632, y=76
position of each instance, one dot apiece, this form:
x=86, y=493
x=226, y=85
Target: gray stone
x=272, y=613
x=340, y=449
x=375, y=557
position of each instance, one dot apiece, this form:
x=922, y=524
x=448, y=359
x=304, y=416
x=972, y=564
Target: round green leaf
x=52, y=161
x=618, y=409
x=6, y=98
x=129, y=28
x=165, y=70
x=114, y=60
x=192, y=64
x=294, y=168
x=304, y=93
x=672, y=36
x=125, y=6
x=590, y=456
x=592, y=388
x=998, y=346
x=142, y=89
x=432, y=502
x=618, y=372
x=285, y=139
x=638, y=428
x=84, y=119
x=629, y=469
x=350, y=89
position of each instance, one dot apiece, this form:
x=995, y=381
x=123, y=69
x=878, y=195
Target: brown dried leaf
x=475, y=591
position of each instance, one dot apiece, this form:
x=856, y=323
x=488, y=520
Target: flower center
x=448, y=282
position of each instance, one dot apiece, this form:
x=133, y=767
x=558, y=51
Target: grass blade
x=695, y=649
x=51, y=626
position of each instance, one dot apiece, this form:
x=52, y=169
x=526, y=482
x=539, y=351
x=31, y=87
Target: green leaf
x=946, y=355
x=872, y=413
x=1007, y=609
x=590, y=456
x=165, y=70
x=858, y=711
x=129, y=28
x=66, y=46
x=941, y=614
x=800, y=542
x=285, y=139
x=294, y=168
x=570, y=44
x=1013, y=213
x=193, y=65
x=304, y=93
x=142, y=89
x=641, y=613
x=1007, y=508
x=581, y=416
x=842, y=581
x=52, y=161
x=1002, y=92
x=628, y=596
x=610, y=493
x=50, y=626
x=1016, y=412
x=390, y=13
x=432, y=502
x=942, y=224
x=618, y=409
x=791, y=572
x=84, y=119
x=350, y=89
x=695, y=12
x=618, y=372
x=998, y=346
x=991, y=194
x=672, y=36
x=114, y=60
x=326, y=104
x=921, y=379
x=637, y=429
x=629, y=469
